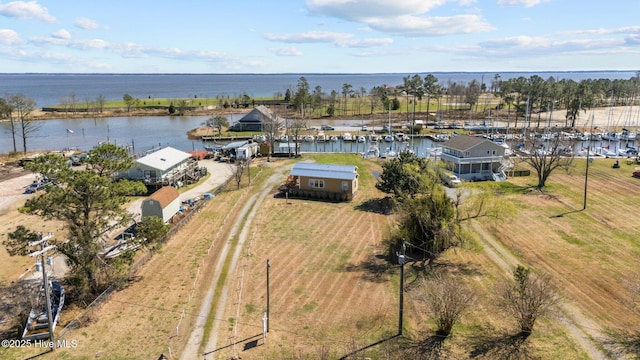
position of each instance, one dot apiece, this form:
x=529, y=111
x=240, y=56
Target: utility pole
x=47, y=294
x=267, y=314
x=401, y=261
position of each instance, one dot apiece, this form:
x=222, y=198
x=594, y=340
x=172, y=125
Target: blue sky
x=318, y=36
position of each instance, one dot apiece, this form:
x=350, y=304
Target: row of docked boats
x=347, y=137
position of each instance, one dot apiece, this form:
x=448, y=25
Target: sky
x=318, y=36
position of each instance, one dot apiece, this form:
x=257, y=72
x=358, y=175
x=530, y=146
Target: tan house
x=322, y=181
x=163, y=203
x=474, y=158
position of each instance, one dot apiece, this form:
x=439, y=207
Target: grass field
x=333, y=293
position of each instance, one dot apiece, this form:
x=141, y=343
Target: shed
x=163, y=203
x=326, y=181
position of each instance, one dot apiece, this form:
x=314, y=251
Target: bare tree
x=100, y=100
x=6, y=111
x=527, y=297
x=547, y=152
x=295, y=128
x=271, y=126
x=238, y=171
x=23, y=107
x=448, y=300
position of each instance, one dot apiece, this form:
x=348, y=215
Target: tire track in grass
x=584, y=331
x=196, y=340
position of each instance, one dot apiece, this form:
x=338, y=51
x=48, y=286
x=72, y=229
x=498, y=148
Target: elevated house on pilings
x=165, y=167
x=474, y=158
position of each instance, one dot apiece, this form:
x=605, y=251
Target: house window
x=316, y=184
x=345, y=185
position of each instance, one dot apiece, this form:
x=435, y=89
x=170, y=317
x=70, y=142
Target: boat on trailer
x=37, y=326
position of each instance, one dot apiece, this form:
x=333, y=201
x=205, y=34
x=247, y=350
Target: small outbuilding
x=322, y=181
x=163, y=203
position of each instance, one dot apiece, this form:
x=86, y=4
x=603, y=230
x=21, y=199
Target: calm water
x=143, y=133
x=49, y=89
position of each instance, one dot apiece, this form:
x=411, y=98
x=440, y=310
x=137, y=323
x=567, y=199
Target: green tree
x=347, y=91
x=403, y=177
x=151, y=230
x=217, y=122
x=431, y=89
x=395, y=104
x=429, y=218
x=89, y=203
x=128, y=101
x=302, y=96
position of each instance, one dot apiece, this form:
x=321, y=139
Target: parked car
x=451, y=180
x=636, y=173
x=34, y=187
x=327, y=127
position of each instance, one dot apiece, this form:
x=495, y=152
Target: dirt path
x=243, y=220
x=586, y=332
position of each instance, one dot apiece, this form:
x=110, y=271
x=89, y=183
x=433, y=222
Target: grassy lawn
x=333, y=293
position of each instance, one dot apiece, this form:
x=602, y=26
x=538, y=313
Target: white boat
x=360, y=138
x=261, y=138
x=388, y=138
x=321, y=137
x=347, y=137
x=37, y=326
x=308, y=138
x=401, y=137
x=373, y=152
x=374, y=138
x=333, y=138
x=284, y=138
x=389, y=154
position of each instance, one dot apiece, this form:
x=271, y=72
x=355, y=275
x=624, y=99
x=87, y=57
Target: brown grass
x=333, y=292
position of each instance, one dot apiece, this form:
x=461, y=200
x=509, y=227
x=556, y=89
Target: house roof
x=165, y=195
x=326, y=171
x=164, y=159
x=259, y=114
x=465, y=142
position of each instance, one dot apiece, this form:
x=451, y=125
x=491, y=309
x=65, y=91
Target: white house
x=163, y=203
x=164, y=167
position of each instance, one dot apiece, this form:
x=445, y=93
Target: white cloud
x=96, y=44
x=309, y=37
x=86, y=24
x=430, y=26
x=364, y=43
x=360, y=10
x=403, y=18
x=286, y=51
x=545, y=46
x=344, y=40
x=622, y=30
x=9, y=37
x=525, y=3
x=26, y=10
x=61, y=34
